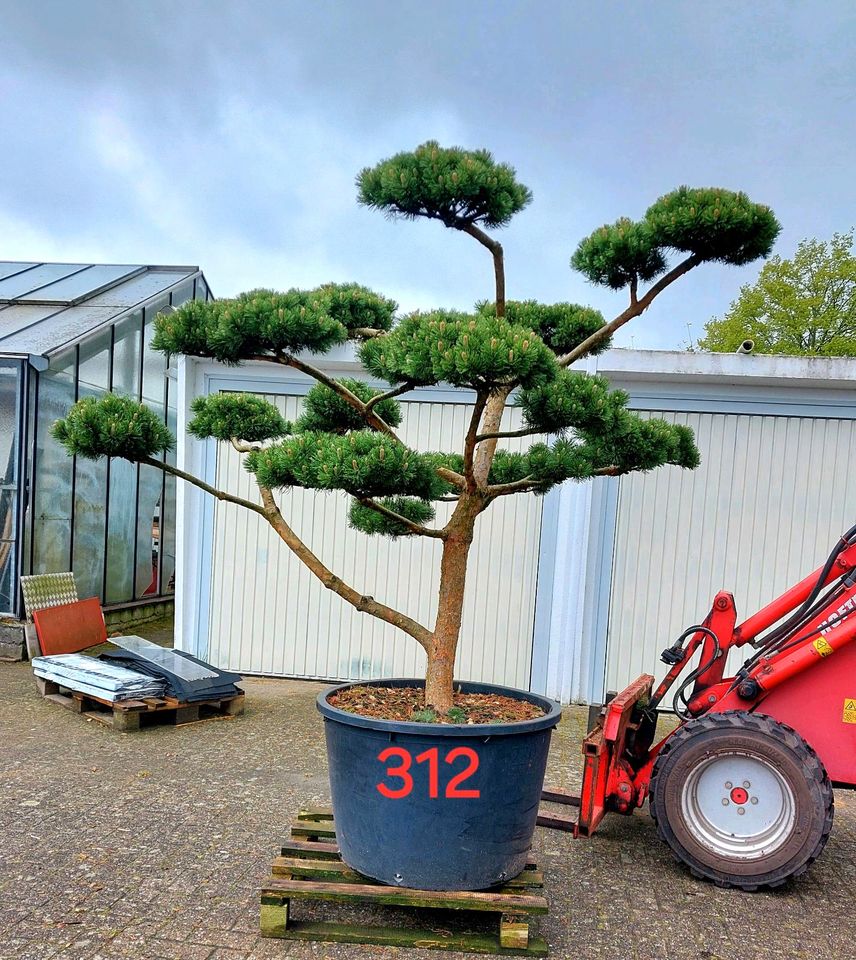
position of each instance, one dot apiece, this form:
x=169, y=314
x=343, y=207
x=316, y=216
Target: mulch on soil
x=401, y=703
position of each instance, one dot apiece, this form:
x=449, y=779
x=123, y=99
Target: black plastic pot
x=436, y=806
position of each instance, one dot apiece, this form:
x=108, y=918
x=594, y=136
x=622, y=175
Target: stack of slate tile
x=105, y=681
x=187, y=679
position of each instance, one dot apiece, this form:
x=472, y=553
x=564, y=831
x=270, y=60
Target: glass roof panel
x=83, y=284
x=7, y=268
x=57, y=330
x=20, y=283
x=137, y=289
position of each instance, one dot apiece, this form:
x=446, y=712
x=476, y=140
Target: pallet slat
x=335, y=870
x=277, y=888
x=425, y=939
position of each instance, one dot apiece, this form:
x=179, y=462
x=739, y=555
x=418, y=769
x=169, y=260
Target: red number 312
x=432, y=758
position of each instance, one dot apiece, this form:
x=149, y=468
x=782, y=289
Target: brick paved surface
x=154, y=845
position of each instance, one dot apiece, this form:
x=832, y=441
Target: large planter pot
x=436, y=806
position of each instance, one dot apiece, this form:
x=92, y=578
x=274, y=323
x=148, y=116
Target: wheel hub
x=738, y=806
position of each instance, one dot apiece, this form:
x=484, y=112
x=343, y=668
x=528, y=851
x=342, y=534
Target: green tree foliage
x=805, y=305
x=324, y=409
x=562, y=326
x=710, y=224
x=467, y=350
x=112, y=426
x=236, y=416
x=575, y=427
x=449, y=184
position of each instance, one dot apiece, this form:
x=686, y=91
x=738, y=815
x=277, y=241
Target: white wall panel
x=269, y=615
x=763, y=510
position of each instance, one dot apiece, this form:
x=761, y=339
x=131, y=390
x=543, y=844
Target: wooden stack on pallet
x=127, y=716
x=310, y=868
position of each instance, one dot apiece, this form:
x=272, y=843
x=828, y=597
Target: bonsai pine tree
x=504, y=351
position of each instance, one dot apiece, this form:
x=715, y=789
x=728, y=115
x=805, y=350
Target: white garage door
x=770, y=499
x=270, y=616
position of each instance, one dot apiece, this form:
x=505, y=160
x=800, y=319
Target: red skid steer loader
x=741, y=790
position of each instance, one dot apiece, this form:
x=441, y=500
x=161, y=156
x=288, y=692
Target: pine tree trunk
x=447, y=630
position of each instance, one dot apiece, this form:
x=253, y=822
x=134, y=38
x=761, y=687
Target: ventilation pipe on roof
x=747, y=347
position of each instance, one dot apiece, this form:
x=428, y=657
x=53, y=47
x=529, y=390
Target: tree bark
x=443, y=645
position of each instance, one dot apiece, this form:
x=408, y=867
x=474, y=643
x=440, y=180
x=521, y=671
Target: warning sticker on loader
x=849, y=715
x=823, y=647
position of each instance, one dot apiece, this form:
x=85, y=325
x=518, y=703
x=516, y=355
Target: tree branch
x=636, y=307
x=242, y=447
x=498, y=259
x=395, y=392
x=471, y=440
x=271, y=512
x=366, y=333
x=509, y=434
x=289, y=360
x=483, y=459
x=518, y=486
x=219, y=494
x=528, y=484
x=411, y=525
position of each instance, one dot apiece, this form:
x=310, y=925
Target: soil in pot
x=407, y=703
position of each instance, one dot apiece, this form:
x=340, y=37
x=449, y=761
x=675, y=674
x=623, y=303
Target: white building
x=569, y=594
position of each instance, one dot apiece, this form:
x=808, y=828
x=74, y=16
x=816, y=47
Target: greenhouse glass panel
x=90, y=479
x=126, y=355
x=167, y=518
x=151, y=479
x=52, y=479
x=120, y=532
x=10, y=405
x=182, y=293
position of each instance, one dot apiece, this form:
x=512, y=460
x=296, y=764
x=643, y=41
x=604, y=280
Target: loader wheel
x=741, y=799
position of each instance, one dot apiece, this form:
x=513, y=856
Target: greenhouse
x=67, y=331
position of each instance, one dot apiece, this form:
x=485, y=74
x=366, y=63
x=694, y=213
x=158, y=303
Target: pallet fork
x=741, y=790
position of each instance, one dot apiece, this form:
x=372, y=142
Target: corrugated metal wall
x=772, y=495
x=269, y=615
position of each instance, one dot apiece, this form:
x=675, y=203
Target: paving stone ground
x=153, y=846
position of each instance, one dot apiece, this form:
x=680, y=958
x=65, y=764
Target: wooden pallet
x=129, y=715
x=310, y=868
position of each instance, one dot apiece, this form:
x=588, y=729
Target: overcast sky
x=228, y=134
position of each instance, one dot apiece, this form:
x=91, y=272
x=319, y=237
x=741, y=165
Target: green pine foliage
x=324, y=409
x=562, y=326
x=237, y=416
x=187, y=329
x=573, y=400
x=256, y=322
x=713, y=224
x=478, y=351
x=357, y=307
x=619, y=253
x=112, y=426
x=369, y=521
x=449, y=184
x=264, y=321
x=362, y=463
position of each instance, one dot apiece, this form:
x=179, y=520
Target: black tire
x=796, y=800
